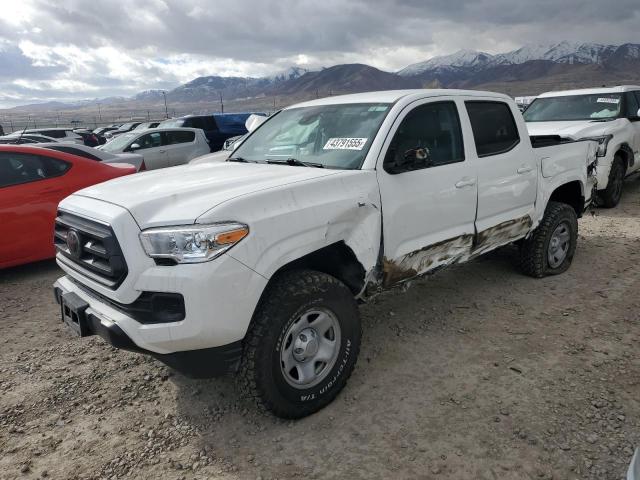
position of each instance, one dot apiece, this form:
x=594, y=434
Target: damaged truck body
x=255, y=265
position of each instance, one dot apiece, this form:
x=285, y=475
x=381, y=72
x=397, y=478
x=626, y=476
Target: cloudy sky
x=89, y=48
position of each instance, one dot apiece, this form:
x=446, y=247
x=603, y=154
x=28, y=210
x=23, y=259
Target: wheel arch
x=570, y=193
x=625, y=152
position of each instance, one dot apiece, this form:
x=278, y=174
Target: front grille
x=90, y=248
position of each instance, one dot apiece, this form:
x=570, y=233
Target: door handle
x=523, y=170
x=161, y=151
x=465, y=183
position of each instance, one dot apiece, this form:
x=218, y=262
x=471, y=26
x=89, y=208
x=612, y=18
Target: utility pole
x=166, y=111
x=99, y=112
x=221, y=104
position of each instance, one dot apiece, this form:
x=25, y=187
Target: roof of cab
x=392, y=96
x=591, y=91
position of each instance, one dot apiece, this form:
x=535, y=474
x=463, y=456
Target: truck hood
x=179, y=195
x=572, y=130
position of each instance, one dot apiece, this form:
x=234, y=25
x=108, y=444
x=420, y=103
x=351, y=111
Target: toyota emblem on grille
x=73, y=243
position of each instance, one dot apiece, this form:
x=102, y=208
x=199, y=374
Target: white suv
x=609, y=115
x=161, y=147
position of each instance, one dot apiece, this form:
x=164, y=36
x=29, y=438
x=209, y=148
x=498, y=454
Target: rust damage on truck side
x=501, y=234
x=422, y=261
x=450, y=251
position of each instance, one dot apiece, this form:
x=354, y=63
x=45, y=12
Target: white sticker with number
x=608, y=100
x=345, y=143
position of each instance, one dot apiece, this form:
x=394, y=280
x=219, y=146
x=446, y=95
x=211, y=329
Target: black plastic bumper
x=204, y=363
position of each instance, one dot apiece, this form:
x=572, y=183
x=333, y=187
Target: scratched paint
x=426, y=259
x=501, y=234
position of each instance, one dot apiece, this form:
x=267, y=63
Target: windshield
x=574, y=107
x=334, y=136
x=119, y=143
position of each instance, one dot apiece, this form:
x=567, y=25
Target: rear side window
x=633, y=103
x=180, y=137
x=54, y=133
x=494, y=128
x=209, y=123
x=18, y=168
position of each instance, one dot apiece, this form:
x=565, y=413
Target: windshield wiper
x=240, y=160
x=296, y=163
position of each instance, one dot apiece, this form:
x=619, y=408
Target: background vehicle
x=32, y=183
x=161, y=147
x=59, y=134
x=146, y=126
x=103, y=130
x=18, y=139
x=98, y=155
x=255, y=265
x=609, y=115
x=124, y=128
x=89, y=138
x=217, y=127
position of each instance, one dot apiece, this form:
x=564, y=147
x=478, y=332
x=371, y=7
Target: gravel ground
x=475, y=373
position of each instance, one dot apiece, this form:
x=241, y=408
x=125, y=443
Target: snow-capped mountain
x=563, y=52
x=290, y=73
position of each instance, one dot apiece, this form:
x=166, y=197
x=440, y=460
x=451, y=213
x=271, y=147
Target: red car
x=32, y=182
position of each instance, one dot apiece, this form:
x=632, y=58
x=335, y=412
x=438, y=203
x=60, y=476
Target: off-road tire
x=610, y=196
x=286, y=299
x=534, y=250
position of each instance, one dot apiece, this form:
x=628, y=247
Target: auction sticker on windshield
x=608, y=100
x=345, y=144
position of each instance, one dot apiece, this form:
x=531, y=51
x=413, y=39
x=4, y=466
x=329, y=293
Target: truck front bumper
x=201, y=363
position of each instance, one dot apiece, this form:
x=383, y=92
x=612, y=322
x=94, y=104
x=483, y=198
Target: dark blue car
x=217, y=127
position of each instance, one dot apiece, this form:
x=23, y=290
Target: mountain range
x=529, y=70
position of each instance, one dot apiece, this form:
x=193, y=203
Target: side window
x=494, y=129
x=178, y=136
x=429, y=136
x=54, y=133
x=17, y=168
x=196, y=122
x=210, y=124
x=633, y=104
x=150, y=140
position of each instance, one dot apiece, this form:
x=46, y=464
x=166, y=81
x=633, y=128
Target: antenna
x=22, y=132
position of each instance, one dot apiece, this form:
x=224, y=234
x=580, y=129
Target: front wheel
x=610, y=196
x=551, y=247
x=302, y=345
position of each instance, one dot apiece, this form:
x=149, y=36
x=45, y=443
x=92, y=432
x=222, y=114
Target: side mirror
x=134, y=146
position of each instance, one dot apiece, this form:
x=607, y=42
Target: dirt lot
x=475, y=373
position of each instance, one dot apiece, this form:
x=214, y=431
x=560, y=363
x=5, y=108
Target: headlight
x=192, y=243
x=603, y=142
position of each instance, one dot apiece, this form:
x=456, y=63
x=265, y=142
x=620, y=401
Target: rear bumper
x=202, y=363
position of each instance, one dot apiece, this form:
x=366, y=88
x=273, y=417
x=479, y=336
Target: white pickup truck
x=611, y=116
x=256, y=265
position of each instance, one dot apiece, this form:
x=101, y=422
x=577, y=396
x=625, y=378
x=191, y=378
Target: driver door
x=429, y=192
x=152, y=147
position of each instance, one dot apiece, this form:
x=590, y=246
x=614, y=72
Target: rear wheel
x=551, y=247
x=303, y=344
x=610, y=196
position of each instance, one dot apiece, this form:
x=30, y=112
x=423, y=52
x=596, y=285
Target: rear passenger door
x=152, y=147
x=428, y=191
x=180, y=146
x=507, y=173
